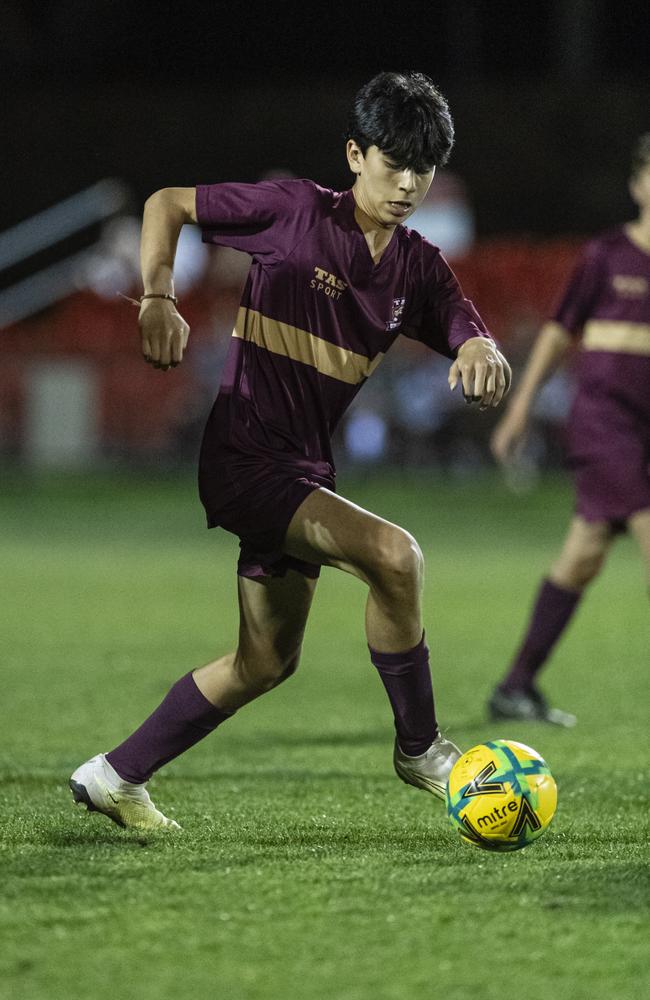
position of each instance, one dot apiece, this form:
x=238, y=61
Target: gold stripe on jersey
x=300, y=345
x=616, y=335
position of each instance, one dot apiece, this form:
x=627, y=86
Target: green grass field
x=306, y=869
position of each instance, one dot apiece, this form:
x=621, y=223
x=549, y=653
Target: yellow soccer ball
x=501, y=796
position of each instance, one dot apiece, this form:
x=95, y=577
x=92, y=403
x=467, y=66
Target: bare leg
x=582, y=556
x=272, y=618
x=583, y=553
x=273, y=613
x=334, y=532
x=272, y=621
x=330, y=530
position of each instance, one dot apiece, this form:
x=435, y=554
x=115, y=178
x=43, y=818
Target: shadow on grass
x=97, y=836
x=41, y=780
x=340, y=739
x=568, y=874
x=102, y=835
x=246, y=779
x=620, y=887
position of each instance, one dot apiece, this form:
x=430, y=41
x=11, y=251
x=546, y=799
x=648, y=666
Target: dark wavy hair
x=640, y=155
x=406, y=117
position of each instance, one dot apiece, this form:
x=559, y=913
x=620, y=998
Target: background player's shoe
x=98, y=786
x=431, y=769
x=528, y=706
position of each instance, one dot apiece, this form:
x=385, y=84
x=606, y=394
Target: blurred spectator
x=405, y=416
x=114, y=264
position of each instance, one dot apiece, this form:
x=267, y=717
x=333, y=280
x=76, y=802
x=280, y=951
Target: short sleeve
x=446, y=319
x=265, y=220
x=581, y=294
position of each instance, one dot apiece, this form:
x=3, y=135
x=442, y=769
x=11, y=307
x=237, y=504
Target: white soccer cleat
x=431, y=769
x=98, y=786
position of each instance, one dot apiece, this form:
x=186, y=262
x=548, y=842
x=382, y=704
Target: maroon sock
x=551, y=614
x=407, y=679
x=183, y=718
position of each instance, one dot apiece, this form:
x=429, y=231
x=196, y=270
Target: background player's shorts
x=609, y=454
x=260, y=513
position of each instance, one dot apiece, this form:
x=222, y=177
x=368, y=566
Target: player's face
x=387, y=192
x=640, y=189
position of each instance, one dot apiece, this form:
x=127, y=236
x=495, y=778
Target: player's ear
x=355, y=156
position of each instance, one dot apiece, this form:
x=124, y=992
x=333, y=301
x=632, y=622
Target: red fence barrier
x=513, y=283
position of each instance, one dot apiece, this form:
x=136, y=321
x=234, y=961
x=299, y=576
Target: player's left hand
x=484, y=372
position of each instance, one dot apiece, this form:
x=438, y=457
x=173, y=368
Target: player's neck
x=377, y=234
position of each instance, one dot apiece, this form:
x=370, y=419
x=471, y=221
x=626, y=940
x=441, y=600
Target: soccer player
x=607, y=307
x=335, y=277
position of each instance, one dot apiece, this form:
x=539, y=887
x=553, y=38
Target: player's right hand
x=509, y=434
x=163, y=333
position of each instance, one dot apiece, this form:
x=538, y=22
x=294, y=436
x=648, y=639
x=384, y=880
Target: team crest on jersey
x=630, y=286
x=396, y=315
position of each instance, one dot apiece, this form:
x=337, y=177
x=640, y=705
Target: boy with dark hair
x=607, y=306
x=334, y=279
x=404, y=116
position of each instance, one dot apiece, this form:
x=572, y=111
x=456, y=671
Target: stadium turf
x=306, y=869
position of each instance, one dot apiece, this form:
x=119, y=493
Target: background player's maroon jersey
x=316, y=318
x=607, y=303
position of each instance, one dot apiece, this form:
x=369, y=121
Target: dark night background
x=547, y=97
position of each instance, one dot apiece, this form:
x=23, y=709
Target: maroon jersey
x=316, y=318
x=607, y=305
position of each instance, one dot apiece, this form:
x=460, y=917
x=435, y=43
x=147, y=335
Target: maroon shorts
x=609, y=454
x=259, y=514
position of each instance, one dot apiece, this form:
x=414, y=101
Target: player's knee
x=265, y=668
x=398, y=558
x=578, y=571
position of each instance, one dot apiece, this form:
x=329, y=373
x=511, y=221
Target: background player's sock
x=551, y=614
x=407, y=679
x=183, y=718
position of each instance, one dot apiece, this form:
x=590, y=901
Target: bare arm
x=548, y=350
x=163, y=330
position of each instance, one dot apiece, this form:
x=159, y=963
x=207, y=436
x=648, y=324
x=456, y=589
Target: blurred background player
x=335, y=278
x=607, y=306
